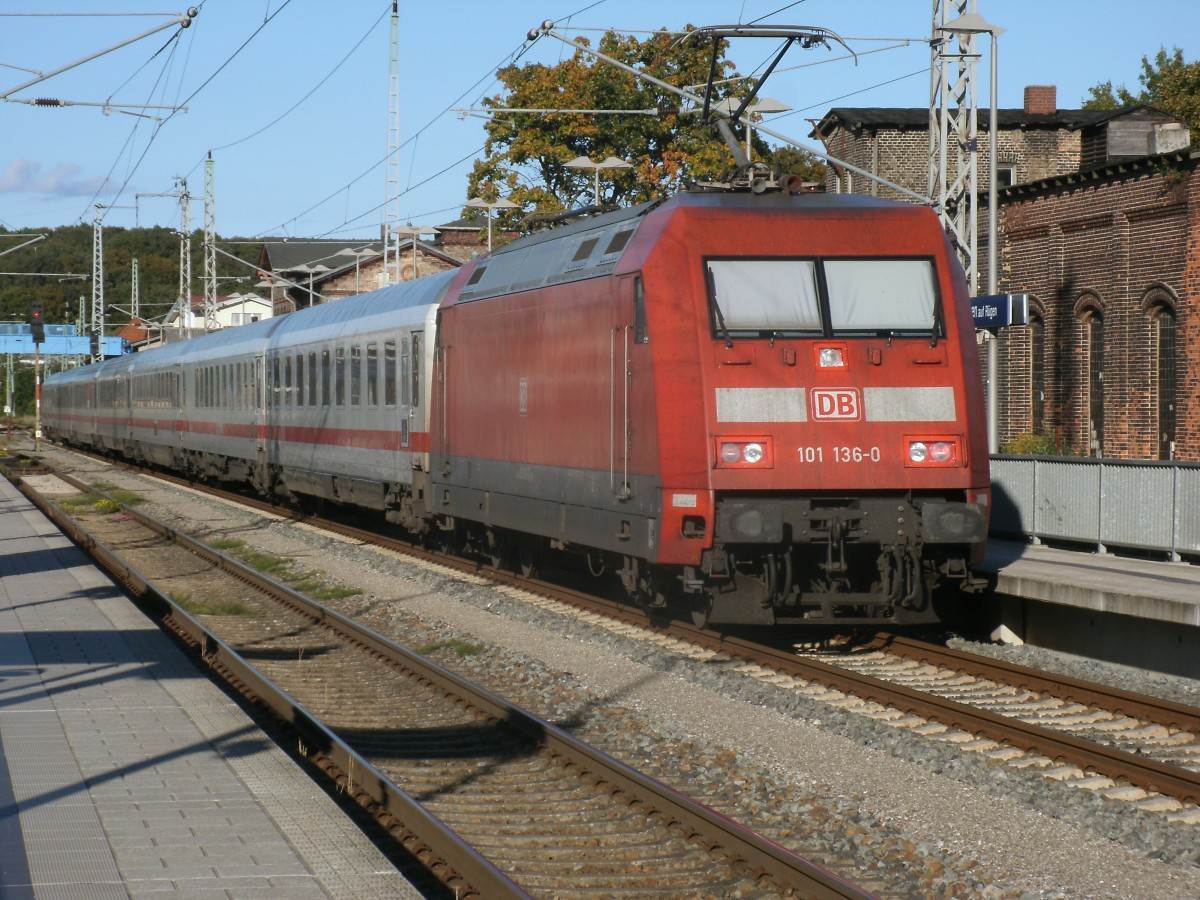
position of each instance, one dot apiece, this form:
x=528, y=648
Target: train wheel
x=499, y=549
x=654, y=591
x=529, y=557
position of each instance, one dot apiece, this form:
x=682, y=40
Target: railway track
x=1130, y=748
x=1150, y=744
x=493, y=799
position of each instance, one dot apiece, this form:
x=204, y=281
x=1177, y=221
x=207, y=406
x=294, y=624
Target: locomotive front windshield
x=891, y=297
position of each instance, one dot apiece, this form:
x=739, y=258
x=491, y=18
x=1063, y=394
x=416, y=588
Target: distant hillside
x=69, y=250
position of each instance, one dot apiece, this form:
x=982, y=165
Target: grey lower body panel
x=576, y=506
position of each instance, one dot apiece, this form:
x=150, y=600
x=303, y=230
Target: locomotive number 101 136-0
x=839, y=454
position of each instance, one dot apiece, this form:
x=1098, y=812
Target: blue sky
x=291, y=95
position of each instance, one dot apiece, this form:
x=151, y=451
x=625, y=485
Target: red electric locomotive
x=765, y=406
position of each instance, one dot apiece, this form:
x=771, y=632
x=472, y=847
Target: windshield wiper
x=712, y=289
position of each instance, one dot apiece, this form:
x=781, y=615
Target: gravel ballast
x=805, y=773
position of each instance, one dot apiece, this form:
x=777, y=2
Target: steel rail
x=755, y=853
x=1155, y=710
x=1163, y=778
x=475, y=870
x=1148, y=774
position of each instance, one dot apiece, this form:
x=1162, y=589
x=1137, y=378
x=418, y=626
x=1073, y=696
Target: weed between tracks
x=311, y=584
x=212, y=607
x=104, y=505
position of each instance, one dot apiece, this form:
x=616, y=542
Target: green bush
x=1029, y=444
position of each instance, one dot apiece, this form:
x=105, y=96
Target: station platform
x=1102, y=582
x=125, y=772
x=1139, y=612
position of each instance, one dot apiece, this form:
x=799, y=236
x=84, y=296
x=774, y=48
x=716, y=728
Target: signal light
x=37, y=322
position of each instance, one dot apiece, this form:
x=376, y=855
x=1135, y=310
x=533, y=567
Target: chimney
x=1041, y=100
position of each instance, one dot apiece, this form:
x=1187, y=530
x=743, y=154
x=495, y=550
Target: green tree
x=1168, y=83
x=526, y=153
x=68, y=249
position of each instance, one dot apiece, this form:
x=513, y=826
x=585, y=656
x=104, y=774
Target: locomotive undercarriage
x=832, y=560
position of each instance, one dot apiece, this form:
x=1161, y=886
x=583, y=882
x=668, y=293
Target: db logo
x=835, y=404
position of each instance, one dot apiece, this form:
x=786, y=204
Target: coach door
x=262, y=398
x=179, y=394
x=410, y=396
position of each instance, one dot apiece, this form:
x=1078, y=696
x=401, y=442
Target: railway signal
x=37, y=322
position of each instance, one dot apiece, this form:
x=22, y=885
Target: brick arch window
x=1090, y=313
x=1159, y=305
x=1037, y=369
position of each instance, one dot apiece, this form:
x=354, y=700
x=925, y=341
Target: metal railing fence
x=1104, y=502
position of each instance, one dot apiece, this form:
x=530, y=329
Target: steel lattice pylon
x=391, y=240
x=98, y=280
x=954, y=134
x=210, y=249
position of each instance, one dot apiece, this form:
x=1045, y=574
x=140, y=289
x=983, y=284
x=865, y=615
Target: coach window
x=355, y=375
x=416, y=369
x=389, y=373
x=299, y=379
x=312, y=378
x=276, y=382
x=339, y=376
x=287, y=381
x=405, y=375
x=372, y=374
x=325, y=373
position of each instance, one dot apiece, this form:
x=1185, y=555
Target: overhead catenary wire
x=491, y=74
x=193, y=94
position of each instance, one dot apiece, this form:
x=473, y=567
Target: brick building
x=1100, y=222
x=1035, y=142
x=336, y=269
x=1110, y=362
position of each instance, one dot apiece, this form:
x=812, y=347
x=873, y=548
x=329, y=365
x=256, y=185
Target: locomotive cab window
x=888, y=296
x=774, y=298
x=763, y=297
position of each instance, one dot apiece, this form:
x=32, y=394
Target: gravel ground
x=820, y=780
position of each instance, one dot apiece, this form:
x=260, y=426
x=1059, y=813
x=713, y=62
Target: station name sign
x=1000, y=310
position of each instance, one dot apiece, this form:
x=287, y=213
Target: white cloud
x=25, y=176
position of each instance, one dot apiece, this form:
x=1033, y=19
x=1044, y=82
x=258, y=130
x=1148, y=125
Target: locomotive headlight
x=830, y=358
x=933, y=451
x=744, y=452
